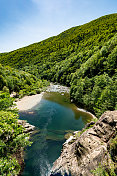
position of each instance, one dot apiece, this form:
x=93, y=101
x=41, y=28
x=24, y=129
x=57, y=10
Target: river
x=53, y=117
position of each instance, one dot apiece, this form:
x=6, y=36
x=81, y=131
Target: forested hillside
x=82, y=57
x=21, y=82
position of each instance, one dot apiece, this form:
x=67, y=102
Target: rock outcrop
x=28, y=128
x=86, y=152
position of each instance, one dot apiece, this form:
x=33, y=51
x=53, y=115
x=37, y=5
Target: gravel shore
x=28, y=102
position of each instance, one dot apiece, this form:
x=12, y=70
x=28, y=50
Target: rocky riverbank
x=84, y=151
x=28, y=129
x=58, y=88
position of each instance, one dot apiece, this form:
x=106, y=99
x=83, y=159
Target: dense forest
x=21, y=82
x=83, y=58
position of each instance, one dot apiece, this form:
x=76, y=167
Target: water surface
x=53, y=117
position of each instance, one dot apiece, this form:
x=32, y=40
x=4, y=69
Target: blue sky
x=23, y=22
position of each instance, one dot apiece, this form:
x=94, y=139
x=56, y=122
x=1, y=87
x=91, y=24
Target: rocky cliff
x=83, y=153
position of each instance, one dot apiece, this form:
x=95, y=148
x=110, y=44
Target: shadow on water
x=64, y=100
x=53, y=117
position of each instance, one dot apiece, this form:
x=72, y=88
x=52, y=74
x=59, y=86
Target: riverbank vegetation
x=12, y=138
x=20, y=82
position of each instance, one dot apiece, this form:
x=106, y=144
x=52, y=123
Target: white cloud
x=49, y=6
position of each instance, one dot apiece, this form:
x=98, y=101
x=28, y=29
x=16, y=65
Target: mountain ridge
x=60, y=33
x=73, y=29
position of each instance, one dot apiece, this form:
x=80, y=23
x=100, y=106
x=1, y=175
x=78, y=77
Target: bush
x=5, y=89
x=5, y=101
x=12, y=139
x=33, y=92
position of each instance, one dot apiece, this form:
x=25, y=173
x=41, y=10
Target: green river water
x=53, y=117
